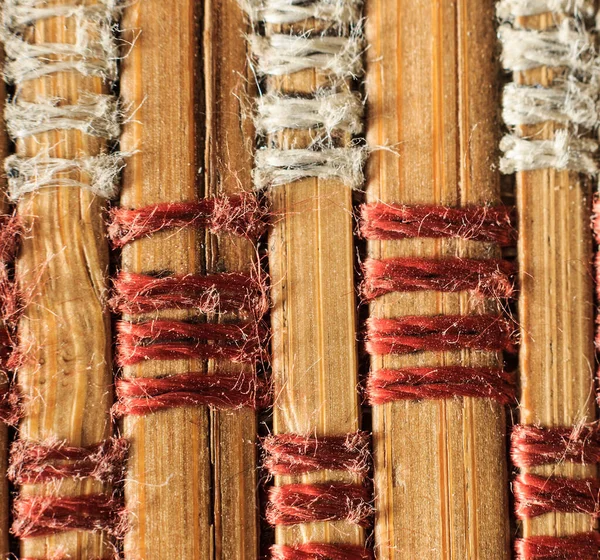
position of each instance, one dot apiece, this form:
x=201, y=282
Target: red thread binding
x=45, y=515
x=227, y=292
x=171, y=340
x=307, y=503
x=32, y=463
x=10, y=405
x=536, y=495
x=440, y=333
x=490, y=277
x=584, y=546
x=444, y=382
x=297, y=454
x=532, y=446
x=318, y=551
x=398, y=221
x=10, y=231
x=237, y=215
x=222, y=390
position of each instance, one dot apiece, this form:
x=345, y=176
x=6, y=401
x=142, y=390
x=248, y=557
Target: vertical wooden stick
x=440, y=472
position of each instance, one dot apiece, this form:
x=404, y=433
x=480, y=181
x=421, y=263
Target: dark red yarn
x=46, y=515
x=11, y=228
x=171, y=340
x=536, y=495
x=444, y=382
x=10, y=405
x=221, y=390
x=239, y=215
x=532, y=446
x=318, y=551
x=489, y=277
x=440, y=333
x=297, y=454
x=584, y=546
x=37, y=462
x=307, y=503
x=399, y=221
x=226, y=292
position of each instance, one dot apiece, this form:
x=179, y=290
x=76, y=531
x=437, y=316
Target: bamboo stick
x=440, y=472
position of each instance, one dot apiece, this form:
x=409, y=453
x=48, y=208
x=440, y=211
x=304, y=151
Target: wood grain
x=440, y=472
x=65, y=331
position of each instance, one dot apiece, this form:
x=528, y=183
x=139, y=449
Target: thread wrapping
x=277, y=12
x=582, y=546
x=318, y=551
x=510, y=9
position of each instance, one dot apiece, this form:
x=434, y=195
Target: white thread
x=569, y=45
x=563, y=152
x=330, y=111
x=569, y=102
x=342, y=12
x=509, y=9
x=281, y=54
x=280, y=167
x=26, y=175
x=96, y=115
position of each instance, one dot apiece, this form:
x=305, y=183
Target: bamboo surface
x=556, y=309
x=64, y=334
x=440, y=470
x=313, y=316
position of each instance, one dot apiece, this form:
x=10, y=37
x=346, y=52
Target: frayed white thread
x=281, y=167
x=509, y=9
x=563, y=152
x=96, y=115
x=99, y=174
x=341, y=12
x=569, y=45
x=94, y=52
x=569, y=102
x=279, y=54
x=330, y=111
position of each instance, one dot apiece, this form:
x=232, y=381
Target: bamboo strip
x=440, y=472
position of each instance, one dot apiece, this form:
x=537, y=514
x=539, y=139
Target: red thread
x=146, y=395
x=307, y=503
x=10, y=406
x=532, y=446
x=227, y=292
x=440, y=333
x=398, y=221
x=490, y=277
x=583, y=546
x=237, y=215
x=171, y=340
x=536, y=495
x=318, y=551
x=297, y=454
x=444, y=382
x=32, y=462
x=45, y=515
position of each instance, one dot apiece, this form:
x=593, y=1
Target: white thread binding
x=96, y=115
x=341, y=111
x=280, y=167
x=563, y=152
x=510, y=9
x=341, y=12
x=27, y=175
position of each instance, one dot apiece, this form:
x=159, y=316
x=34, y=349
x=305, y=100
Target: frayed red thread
x=444, y=382
x=32, y=462
x=532, y=446
x=10, y=406
x=440, y=333
x=583, y=546
x=171, y=340
x=398, y=221
x=318, y=551
x=536, y=495
x=226, y=390
x=298, y=454
x=11, y=306
x=239, y=215
x=46, y=515
x=490, y=277
x=307, y=503
x=227, y=292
